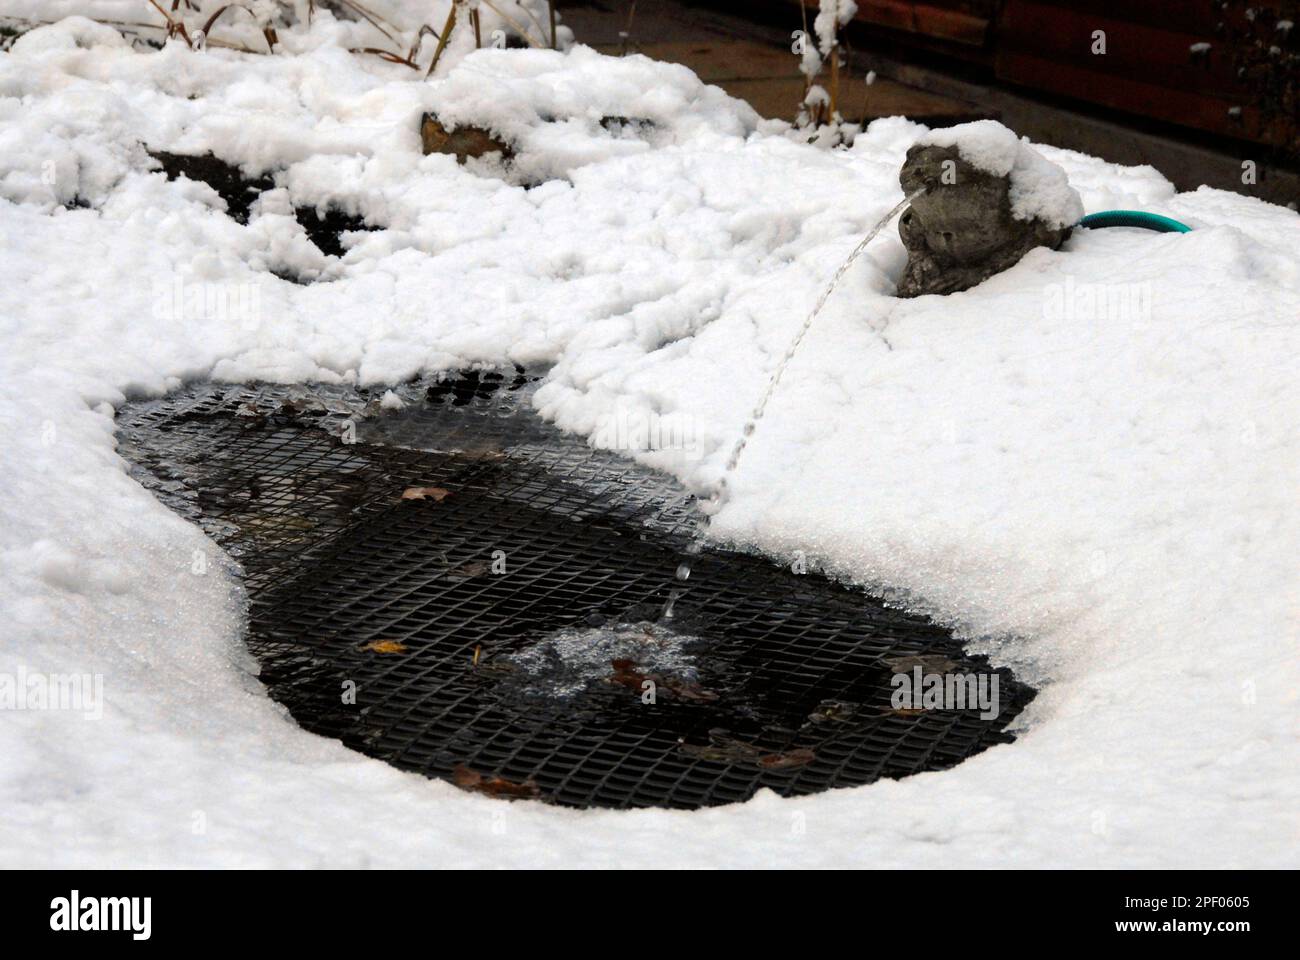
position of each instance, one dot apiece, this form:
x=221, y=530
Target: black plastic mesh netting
x=499, y=626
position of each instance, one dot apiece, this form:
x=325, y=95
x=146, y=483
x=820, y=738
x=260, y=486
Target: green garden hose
x=1133, y=218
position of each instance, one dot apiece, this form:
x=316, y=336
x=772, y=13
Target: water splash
x=733, y=461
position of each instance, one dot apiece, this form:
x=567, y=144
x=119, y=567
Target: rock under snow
x=988, y=199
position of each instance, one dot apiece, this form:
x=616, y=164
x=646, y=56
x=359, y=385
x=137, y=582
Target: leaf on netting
x=436, y=494
x=467, y=779
x=799, y=757
x=385, y=646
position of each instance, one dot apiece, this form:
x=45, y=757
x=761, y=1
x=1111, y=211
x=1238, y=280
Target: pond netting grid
x=464, y=591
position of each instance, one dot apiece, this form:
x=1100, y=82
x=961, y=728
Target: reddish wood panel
x=1130, y=96
x=1180, y=16
x=1159, y=56
x=1147, y=69
x=954, y=21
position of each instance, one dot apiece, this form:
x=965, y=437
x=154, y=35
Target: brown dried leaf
x=436, y=494
x=385, y=646
x=467, y=779
x=466, y=571
x=928, y=662
x=722, y=748
x=833, y=711
x=798, y=757
x=626, y=674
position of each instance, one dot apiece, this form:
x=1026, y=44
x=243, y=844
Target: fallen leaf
x=385, y=646
x=928, y=662
x=723, y=748
x=466, y=571
x=625, y=674
x=467, y=779
x=712, y=751
x=791, y=758
x=482, y=452
x=436, y=494
x=833, y=711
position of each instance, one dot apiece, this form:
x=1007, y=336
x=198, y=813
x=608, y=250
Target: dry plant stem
x=207, y=27
x=447, y=28
x=174, y=27
x=478, y=34
x=627, y=31
x=835, y=77
x=807, y=80
x=372, y=18
x=541, y=31
x=423, y=32
x=512, y=22
x=135, y=26
x=389, y=56
x=363, y=9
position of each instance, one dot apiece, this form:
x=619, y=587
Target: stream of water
x=715, y=502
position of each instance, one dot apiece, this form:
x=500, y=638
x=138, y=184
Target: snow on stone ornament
x=986, y=199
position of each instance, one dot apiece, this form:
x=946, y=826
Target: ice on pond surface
x=568, y=662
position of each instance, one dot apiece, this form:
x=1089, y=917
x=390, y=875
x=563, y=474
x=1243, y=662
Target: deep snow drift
x=1088, y=463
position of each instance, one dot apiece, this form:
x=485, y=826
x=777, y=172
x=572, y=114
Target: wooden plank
x=1190, y=109
x=1149, y=55
x=714, y=60
x=950, y=20
x=779, y=98
x=1180, y=16
x=943, y=22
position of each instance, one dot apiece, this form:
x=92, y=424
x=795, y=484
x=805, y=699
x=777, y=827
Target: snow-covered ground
x=1088, y=464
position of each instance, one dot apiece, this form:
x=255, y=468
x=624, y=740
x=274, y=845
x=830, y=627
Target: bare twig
x=835, y=73
x=541, y=32
x=448, y=27
x=268, y=31
x=389, y=56
x=423, y=32
x=372, y=18
x=174, y=27
x=627, y=31
x=527, y=36
x=136, y=26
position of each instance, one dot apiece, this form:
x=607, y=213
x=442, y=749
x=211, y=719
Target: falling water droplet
x=712, y=504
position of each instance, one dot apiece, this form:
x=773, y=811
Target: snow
x=1040, y=189
x=550, y=107
x=831, y=15
x=1086, y=465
